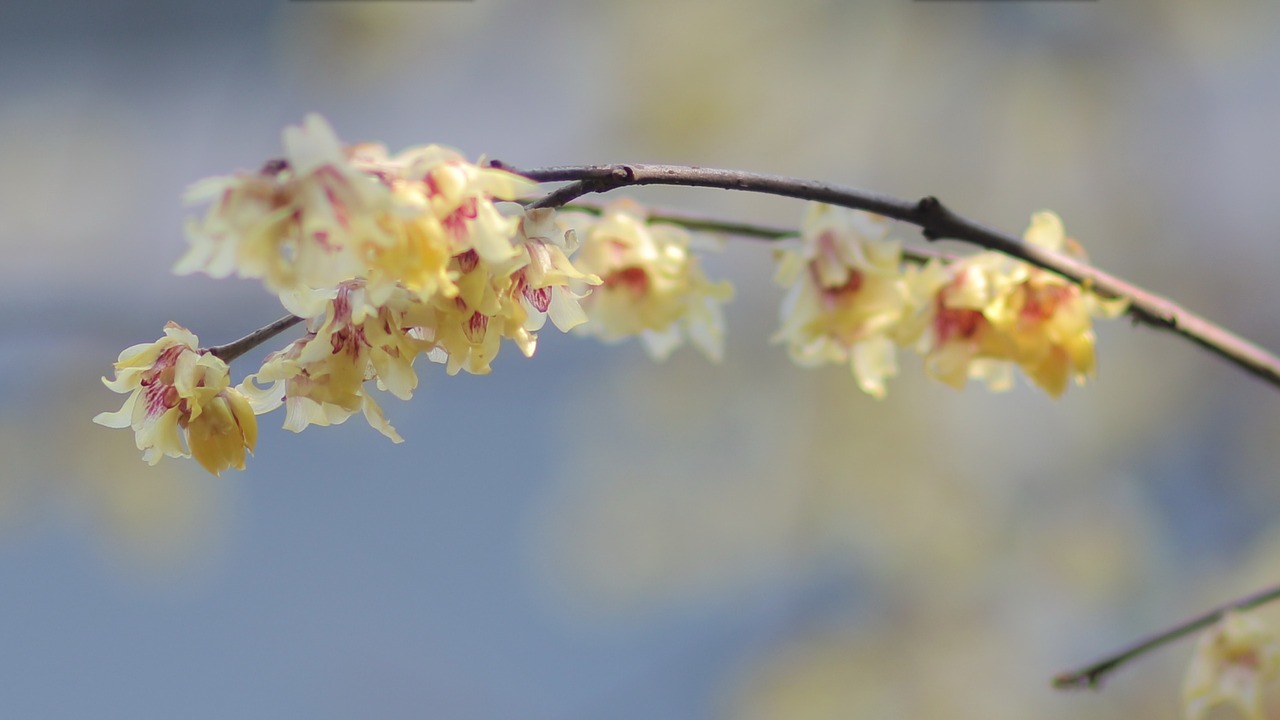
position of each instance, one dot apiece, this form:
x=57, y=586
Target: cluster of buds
x=422, y=254
x=852, y=300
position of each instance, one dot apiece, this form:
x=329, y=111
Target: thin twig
x=236, y=348
x=937, y=222
x=703, y=223
x=1091, y=676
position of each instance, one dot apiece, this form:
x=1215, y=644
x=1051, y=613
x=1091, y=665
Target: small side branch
x=937, y=222
x=1091, y=676
x=236, y=348
x=703, y=223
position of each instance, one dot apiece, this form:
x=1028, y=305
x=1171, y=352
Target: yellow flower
x=177, y=391
x=652, y=285
x=540, y=287
x=846, y=294
x=451, y=211
x=328, y=213
x=948, y=316
x=1232, y=662
x=302, y=224
x=321, y=377
x=1048, y=319
x=980, y=316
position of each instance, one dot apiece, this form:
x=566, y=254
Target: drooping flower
x=1233, y=660
x=180, y=403
x=652, y=285
x=949, y=304
x=302, y=224
x=321, y=378
x=846, y=294
x=452, y=211
x=980, y=316
x=327, y=213
x=1048, y=319
x=541, y=286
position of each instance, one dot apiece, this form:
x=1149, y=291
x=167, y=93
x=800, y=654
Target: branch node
x=929, y=205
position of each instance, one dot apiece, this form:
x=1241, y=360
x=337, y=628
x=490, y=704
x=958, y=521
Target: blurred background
x=588, y=534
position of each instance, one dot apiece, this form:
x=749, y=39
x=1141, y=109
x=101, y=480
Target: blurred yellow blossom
x=949, y=302
x=980, y=316
x=1233, y=660
x=846, y=294
x=652, y=285
x=175, y=390
x=303, y=223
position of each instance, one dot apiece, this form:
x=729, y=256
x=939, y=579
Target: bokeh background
x=588, y=534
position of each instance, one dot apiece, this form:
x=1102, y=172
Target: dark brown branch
x=1091, y=676
x=236, y=348
x=702, y=223
x=937, y=222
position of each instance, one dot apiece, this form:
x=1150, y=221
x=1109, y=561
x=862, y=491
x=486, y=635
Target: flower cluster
x=1233, y=660
x=387, y=258
x=181, y=404
x=852, y=301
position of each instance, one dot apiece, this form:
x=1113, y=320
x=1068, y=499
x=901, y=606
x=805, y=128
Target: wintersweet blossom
x=1048, y=319
x=1233, y=660
x=506, y=297
x=303, y=223
x=452, y=211
x=981, y=316
x=846, y=294
x=178, y=393
x=327, y=213
x=321, y=377
x=948, y=315
x=651, y=285
x=542, y=285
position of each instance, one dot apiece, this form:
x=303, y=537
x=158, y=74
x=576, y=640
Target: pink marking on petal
x=1042, y=302
x=468, y=260
x=456, y=222
x=827, y=248
x=832, y=296
x=950, y=323
x=158, y=398
x=339, y=209
x=321, y=238
x=539, y=297
x=342, y=305
x=476, y=327
x=633, y=279
x=539, y=256
x=349, y=340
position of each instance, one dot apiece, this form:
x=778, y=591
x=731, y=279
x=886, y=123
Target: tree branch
x=936, y=222
x=1090, y=676
x=703, y=223
x=236, y=348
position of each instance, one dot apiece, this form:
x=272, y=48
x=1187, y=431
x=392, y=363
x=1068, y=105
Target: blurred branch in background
x=1091, y=676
